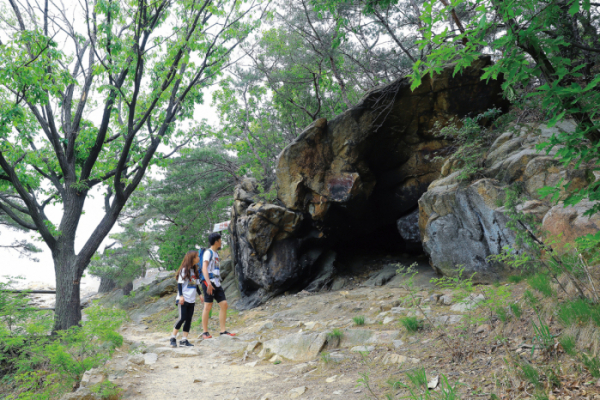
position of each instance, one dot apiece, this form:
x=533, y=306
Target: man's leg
x=222, y=315
x=205, y=315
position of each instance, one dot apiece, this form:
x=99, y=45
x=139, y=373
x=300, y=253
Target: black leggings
x=186, y=312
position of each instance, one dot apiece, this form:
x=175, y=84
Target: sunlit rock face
x=351, y=177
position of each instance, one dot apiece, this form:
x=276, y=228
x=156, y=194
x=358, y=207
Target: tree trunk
x=106, y=285
x=127, y=289
x=68, y=295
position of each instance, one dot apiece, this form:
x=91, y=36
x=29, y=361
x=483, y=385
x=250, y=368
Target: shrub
x=37, y=365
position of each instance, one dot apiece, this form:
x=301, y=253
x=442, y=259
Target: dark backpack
x=201, y=256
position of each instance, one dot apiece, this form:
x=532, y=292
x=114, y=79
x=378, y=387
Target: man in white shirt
x=211, y=285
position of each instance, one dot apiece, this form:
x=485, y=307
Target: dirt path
x=216, y=368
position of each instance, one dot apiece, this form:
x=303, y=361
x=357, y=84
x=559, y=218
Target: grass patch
x=412, y=324
x=541, y=283
x=530, y=374
x=516, y=310
x=516, y=278
x=326, y=357
x=568, y=344
x=359, y=321
x=592, y=364
x=335, y=336
x=578, y=312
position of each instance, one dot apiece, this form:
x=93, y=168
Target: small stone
x=276, y=358
x=331, y=379
x=267, y=396
x=338, y=392
x=177, y=366
x=433, y=383
x=197, y=380
x=297, y=392
x=251, y=364
x=138, y=360
x=397, y=343
x=362, y=348
x=485, y=328
x=387, y=320
x=446, y=299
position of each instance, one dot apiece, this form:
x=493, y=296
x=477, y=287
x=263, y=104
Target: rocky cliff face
x=462, y=224
x=346, y=181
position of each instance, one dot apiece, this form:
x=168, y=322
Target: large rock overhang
x=354, y=175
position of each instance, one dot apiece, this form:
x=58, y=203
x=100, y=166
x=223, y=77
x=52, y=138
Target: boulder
x=462, y=224
x=383, y=276
x=81, y=394
x=347, y=177
x=408, y=226
x=565, y=224
x=297, y=346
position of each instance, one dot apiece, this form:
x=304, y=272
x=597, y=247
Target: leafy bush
x=36, y=365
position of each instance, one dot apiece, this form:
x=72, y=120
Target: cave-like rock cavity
x=351, y=183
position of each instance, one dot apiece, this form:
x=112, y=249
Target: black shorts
x=218, y=294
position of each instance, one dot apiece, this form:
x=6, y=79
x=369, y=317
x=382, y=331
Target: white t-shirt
x=189, y=287
x=213, y=266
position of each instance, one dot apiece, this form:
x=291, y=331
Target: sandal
x=206, y=335
x=228, y=333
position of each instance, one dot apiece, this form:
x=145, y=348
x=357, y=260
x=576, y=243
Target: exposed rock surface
x=348, y=177
x=462, y=224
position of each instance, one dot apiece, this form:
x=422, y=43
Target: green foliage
x=516, y=310
x=516, y=278
x=37, y=365
x=542, y=337
x=359, y=320
x=471, y=140
x=592, y=364
x=530, y=373
x=417, y=387
x=568, y=344
x=335, y=336
x=325, y=357
x=412, y=324
x=578, y=312
x=107, y=390
x=541, y=283
x=540, y=57
x=168, y=217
